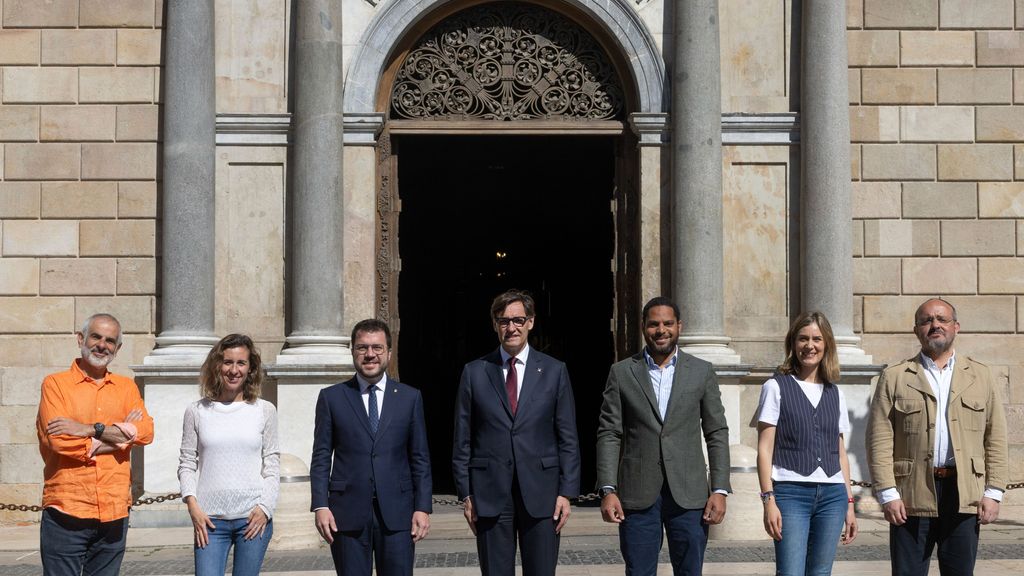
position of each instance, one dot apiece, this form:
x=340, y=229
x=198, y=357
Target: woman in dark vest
x=801, y=459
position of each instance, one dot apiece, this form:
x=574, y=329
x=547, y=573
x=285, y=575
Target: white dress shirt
x=520, y=368
x=364, y=392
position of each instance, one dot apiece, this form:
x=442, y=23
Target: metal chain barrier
x=137, y=502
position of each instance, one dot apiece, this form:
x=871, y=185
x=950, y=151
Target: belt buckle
x=944, y=472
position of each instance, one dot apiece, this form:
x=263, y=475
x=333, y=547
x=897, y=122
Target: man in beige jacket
x=936, y=443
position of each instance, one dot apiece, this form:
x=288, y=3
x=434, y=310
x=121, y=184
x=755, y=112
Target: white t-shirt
x=768, y=408
x=230, y=458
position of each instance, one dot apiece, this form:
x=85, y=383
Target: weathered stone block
x=1000, y=124
x=940, y=275
x=41, y=315
x=1000, y=48
x=855, y=162
x=77, y=123
x=42, y=161
x=858, y=238
x=975, y=13
x=134, y=312
x=1001, y=275
x=899, y=161
x=117, y=13
x=876, y=200
x=975, y=162
x=978, y=238
x=17, y=424
x=21, y=385
x=19, y=463
x=19, y=277
x=138, y=122
x=898, y=85
x=937, y=123
x=905, y=14
x=853, y=85
x=21, y=494
x=118, y=238
x=136, y=200
x=19, y=123
x=1018, y=162
x=40, y=85
x=975, y=86
x=858, y=314
x=119, y=161
x=873, y=47
x=985, y=313
x=138, y=47
x=136, y=276
x=19, y=47
x=79, y=199
x=116, y=85
x=19, y=200
x=40, y=238
x=940, y=200
x=854, y=13
x=901, y=238
x=1020, y=245
x=1001, y=199
x=76, y=276
x=931, y=48
x=36, y=14
x=874, y=123
x=890, y=313
x=88, y=46
x=876, y=275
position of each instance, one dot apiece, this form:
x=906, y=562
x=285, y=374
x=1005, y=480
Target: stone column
x=697, y=182
x=826, y=250
x=316, y=195
x=187, y=195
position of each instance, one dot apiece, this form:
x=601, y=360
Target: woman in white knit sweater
x=228, y=468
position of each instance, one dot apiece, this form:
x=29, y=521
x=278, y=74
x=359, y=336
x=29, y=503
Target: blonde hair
x=210, y=384
x=828, y=370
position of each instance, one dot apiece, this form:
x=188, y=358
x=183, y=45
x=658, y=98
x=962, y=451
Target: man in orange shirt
x=88, y=421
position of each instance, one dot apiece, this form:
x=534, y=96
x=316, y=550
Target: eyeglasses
x=940, y=319
x=362, y=349
x=517, y=320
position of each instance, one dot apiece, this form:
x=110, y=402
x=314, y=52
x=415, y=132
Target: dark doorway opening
x=479, y=215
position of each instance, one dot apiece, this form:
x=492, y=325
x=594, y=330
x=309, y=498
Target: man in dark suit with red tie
x=516, y=455
x=370, y=470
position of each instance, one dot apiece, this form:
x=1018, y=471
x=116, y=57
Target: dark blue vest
x=806, y=437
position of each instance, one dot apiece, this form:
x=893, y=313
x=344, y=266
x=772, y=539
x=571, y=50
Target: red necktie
x=512, y=385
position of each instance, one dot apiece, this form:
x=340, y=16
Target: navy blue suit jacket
x=539, y=444
x=348, y=461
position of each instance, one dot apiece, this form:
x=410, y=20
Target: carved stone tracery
x=507, y=61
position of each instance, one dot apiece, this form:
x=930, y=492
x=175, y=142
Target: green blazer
x=638, y=453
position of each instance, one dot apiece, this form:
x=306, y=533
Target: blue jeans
x=68, y=545
x=640, y=537
x=812, y=521
x=213, y=560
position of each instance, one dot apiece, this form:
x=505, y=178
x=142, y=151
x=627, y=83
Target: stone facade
x=936, y=161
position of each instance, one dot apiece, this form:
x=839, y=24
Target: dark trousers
x=640, y=537
x=72, y=546
x=955, y=534
x=355, y=551
x=496, y=540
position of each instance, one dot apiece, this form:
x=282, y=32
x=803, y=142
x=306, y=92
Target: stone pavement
x=589, y=548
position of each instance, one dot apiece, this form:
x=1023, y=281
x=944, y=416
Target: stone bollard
x=293, y=522
x=744, y=516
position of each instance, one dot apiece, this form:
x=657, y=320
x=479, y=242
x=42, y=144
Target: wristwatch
x=766, y=496
x=99, y=428
x=606, y=491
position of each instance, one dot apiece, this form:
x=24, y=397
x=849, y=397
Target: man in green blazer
x=650, y=464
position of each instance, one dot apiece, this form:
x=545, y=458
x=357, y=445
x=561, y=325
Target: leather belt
x=943, y=473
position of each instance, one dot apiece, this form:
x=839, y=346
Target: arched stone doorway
x=507, y=159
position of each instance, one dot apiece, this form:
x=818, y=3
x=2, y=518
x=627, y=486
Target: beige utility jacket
x=901, y=434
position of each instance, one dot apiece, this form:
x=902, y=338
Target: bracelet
x=766, y=496
x=849, y=500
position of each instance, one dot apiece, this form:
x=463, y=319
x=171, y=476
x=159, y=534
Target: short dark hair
x=501, y=301
x=659, y=301
x=372, y=325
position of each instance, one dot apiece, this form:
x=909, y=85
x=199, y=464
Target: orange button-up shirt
x=75, y=481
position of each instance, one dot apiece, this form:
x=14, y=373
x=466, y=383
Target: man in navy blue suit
x=370, y=471
x=516, y=456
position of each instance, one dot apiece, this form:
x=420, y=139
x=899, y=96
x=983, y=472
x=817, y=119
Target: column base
x=317, y=351
x=850, y=353
x=172, y=350
x=714, y=349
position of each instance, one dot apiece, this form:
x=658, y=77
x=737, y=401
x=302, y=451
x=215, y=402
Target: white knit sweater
x=230, y=457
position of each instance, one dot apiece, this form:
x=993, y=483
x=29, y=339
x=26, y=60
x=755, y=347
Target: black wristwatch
x=606, y=491
x=99, y=428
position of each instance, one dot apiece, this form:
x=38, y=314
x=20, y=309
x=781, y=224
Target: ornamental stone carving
x=507, y=61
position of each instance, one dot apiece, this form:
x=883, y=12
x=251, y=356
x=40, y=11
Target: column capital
x=363, y=128
x=651, y=128
x=316, y=350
